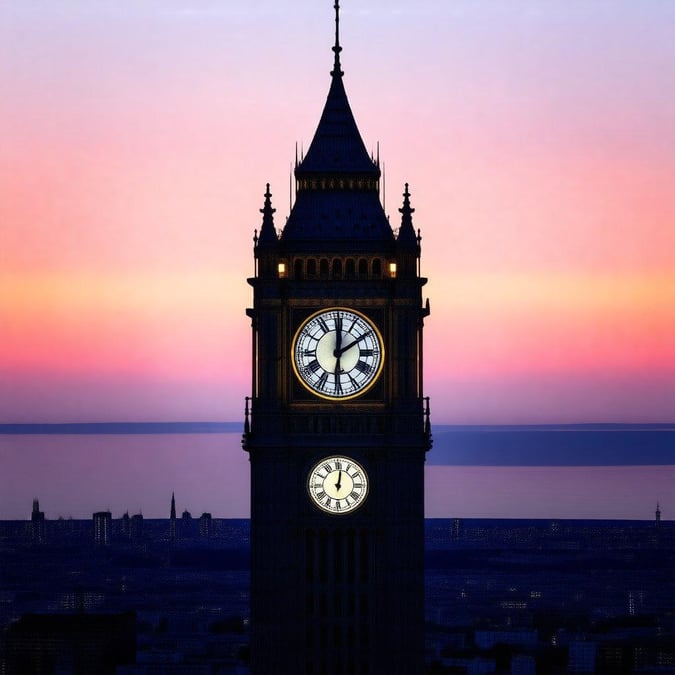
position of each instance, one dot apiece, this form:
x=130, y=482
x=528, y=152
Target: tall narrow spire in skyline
x=172, y=524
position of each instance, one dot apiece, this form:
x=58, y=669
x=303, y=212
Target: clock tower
x=336, y=425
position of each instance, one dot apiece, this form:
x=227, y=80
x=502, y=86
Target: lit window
x=392, y=270
x=282, y=270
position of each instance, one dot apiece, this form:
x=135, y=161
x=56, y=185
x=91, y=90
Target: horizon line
x=174, y=427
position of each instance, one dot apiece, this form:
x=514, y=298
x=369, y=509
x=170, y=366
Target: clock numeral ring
x=337, y=353
x=337, y=485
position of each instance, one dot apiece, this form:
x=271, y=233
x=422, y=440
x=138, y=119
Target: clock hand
x=342, y=350
x=338, y=334
x=338, y=485
x=336, y=353
x=337, y=371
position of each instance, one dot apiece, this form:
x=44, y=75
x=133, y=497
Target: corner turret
x=266, y=243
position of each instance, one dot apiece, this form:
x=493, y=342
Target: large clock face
x=337, y=484
x=337, y=353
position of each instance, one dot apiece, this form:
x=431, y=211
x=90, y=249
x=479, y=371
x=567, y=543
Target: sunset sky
x=538, y=139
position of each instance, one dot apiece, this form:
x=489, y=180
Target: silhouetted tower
x=186, y=525
x=102, y=521
x=205, y=525
x=126, y=525
x=658, y=514
x=337, y=427
x=172, y=518
x=37, y=523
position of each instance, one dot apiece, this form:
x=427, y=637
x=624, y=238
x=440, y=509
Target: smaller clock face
x=337, y=485
x=337, y=353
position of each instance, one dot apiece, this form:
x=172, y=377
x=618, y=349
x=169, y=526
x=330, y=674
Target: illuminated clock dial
x=337, y=485
x=337, y=353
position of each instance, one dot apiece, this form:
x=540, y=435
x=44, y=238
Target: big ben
x=337, y=426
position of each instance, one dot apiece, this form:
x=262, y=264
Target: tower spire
x=406, y=235
x=172, y=520
x=337, y=69
x=268, y=236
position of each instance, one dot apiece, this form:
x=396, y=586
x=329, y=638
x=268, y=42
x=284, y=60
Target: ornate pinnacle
x=406, y=210
x=267, y=233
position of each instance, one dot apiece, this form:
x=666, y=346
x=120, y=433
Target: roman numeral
x=366, y=352
x=314, y=366
x=323, y=325
x=363, y=367
x=322, y=380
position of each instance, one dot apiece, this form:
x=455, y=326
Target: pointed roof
x=337, y=146
x=337, y=181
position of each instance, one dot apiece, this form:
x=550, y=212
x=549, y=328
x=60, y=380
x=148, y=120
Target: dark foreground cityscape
x=134, y=596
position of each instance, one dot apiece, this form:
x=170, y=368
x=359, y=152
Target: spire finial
x=337, y=70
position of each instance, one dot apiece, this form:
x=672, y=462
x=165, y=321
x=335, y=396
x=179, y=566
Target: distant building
x=136, y=527
x=186, y=525
x=658, y=514
x=102, y=527
x=37, y=523
x=205, y=525
x=126, y=525
x=172, y=518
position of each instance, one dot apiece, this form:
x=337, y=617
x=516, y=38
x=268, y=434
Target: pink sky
x=538, y=140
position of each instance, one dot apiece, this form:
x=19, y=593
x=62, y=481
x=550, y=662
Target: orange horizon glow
x=539, y=147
